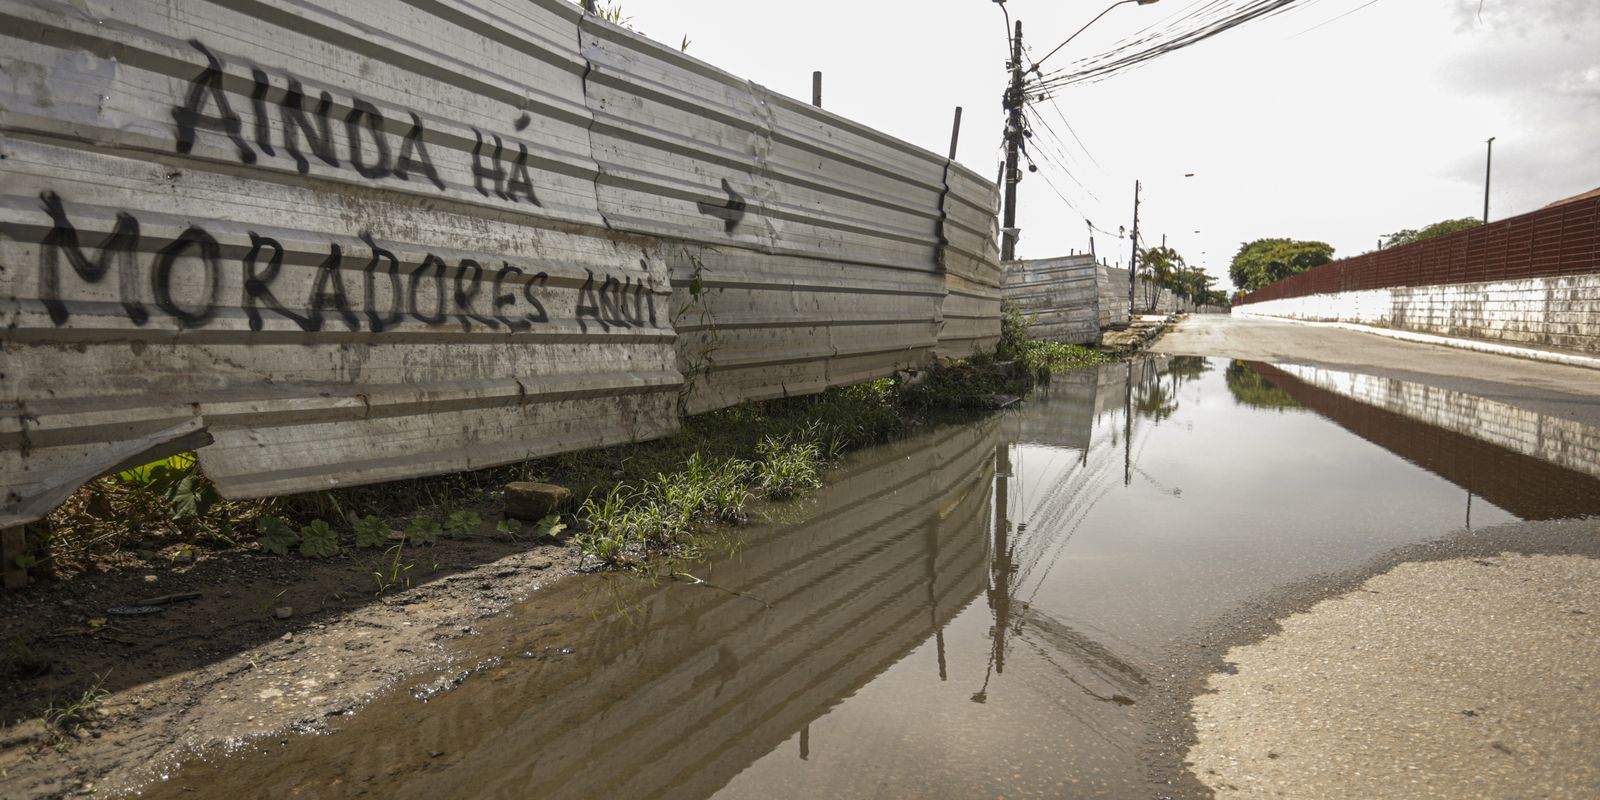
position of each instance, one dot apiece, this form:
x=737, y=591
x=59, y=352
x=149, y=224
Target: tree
x=1160, y=266
x=1251, y=388
x=1411, y=235
x=1265, y=261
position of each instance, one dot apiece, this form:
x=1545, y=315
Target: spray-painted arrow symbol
x=731, y=213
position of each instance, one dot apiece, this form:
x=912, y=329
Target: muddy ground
x=229, y=666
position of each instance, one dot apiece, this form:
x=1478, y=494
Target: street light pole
x=1488, y=163
x=1013, y=103
x=1085, y=27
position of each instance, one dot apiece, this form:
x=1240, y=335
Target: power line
x=1335, y=19
x=1211, y=19
x=1055, y=144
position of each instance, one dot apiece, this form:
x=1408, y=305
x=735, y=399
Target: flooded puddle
x=981, y=610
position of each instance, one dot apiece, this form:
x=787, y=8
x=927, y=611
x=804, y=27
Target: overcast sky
x=1331, y=121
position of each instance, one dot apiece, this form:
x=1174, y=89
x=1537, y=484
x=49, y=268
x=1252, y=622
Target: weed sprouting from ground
x=624, y=525
x=65, y=716
x=788, y=467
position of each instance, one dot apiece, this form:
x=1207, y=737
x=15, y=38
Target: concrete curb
x=1532, y=354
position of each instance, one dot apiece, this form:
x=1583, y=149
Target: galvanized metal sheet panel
x=753, y=326
x=450, y=104
x=387, y=290
x=347, y=243
x=971, y=234
x=1061, y=294
x=970, y=259
x=678, y=142
x=320, y=338
x=815, y=240
x=848, y=193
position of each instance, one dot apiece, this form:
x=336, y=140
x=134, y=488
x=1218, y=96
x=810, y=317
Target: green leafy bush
x=371, y=532
x=461, y=524
x=318, y=540
x=275, y=536
x=423, y=530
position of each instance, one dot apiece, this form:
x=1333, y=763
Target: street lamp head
x=1085, y=27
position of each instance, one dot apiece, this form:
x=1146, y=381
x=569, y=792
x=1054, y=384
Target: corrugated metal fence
x=352, y=242
x=1062, y=294
x=1560, y=240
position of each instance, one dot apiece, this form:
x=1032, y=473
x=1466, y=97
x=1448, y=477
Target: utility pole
x=1013, y=104
x=1133, y=260
x=816, y=88
x=1487, y=164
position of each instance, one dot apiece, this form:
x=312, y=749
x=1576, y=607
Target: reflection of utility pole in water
x=1000, y=599
x=1127, y=428
x=933, y=594
x=999, y=591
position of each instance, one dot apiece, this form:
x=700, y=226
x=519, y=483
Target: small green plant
x=275, y=536
x=461, y=524
x=192, y=496
x=611, y=524
x=510, y=528
x=65, y=717
x=371, y=532
x=390, y=573
x=788, y=468
x=728, y=501
x=177, y=480
x=550, y=526
x=265, y=608
x=609, y=549
x=423, y=530
x=318, y=540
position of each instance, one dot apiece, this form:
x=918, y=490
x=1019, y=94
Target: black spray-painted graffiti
x=367, y=149
x=430, y=291
x=731, y=213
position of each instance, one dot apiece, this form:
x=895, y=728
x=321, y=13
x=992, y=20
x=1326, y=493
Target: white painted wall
x=1561, y=312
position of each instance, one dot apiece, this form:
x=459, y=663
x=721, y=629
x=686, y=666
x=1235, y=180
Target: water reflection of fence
x=1533, y=465
x=674, y=692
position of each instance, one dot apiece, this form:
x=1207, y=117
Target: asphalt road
x=1554, y=389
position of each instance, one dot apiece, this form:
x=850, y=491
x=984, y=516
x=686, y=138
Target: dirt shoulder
x=226, y=667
